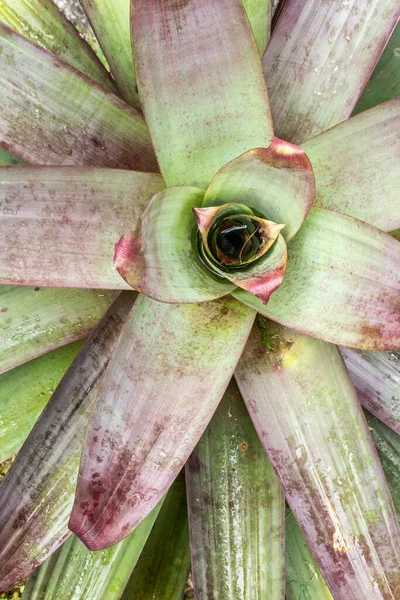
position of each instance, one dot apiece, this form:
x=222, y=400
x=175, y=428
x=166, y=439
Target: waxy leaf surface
x=310, y=422
x=151, y=413
x=24, y=392
x=160, y=257
x=277, y=182
x=83, y=125
x=356, y=166
x=75, y=573
x=319, y=59
x=44, y=24
x=341, y=283
x=384, y=83
x=34, y=321
x=376, y=377
x=198, y=66
x=236, y=510
x=37, y=493
x=59, y=226
x=162, y=569
x=110, y=20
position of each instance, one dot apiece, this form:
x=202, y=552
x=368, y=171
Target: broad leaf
x=236, y=510
x=160, y=257
x=310, y=422
x=384, y=83
x=75, y=573
x=162, y=386
x=259, y=14
x=75, y=216
x=198, y=66
x=34, y=321
x=341, y=283
x=110, y=20
x=162, y=569
x=37, y=493
x=376, y=377
x=24, y=392
x=283, y=170
x=303, y=577
x=44, y=24
x=356, y=166
x=319, y=58
x=387, y=443
x=83, y=125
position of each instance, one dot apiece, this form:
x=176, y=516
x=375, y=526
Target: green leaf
x=34, y=321
x=75, y=573
x=43, y=23
x=110, y=20
x=52, y=114
x=24, y=392
x=162, y=569
x=311, y=425
x=387, y=443
x=303, y=577
x=259, y=15
x=236, y=510
x=384, y=83
x=376, y=377
x=356, y=166
x=6, y=158
x=75, y=216
x=160, y=257
x=37, y=493
x=198, y=66
x=283, y=169
x=320, y=56
x=133, y=452
x=341, y=283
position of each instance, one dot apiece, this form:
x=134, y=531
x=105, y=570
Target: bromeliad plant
x=246, y=216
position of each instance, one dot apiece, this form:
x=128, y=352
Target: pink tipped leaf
x=151, y=413
x=320, y=56
x=277, y=182
x=197, y=64
x=37, y=493
x=59, y=225
x=83, y=125
x=311, y=425
x=160, y=257
x=356, y=166
x=341, y=284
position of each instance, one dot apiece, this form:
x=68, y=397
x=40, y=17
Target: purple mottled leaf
x=52, y=114
x=319, y=59
x=75, y=216
x=37, y=493
x=310, y=422
x=376, y=377
x=356, y=166
x=161, y=388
